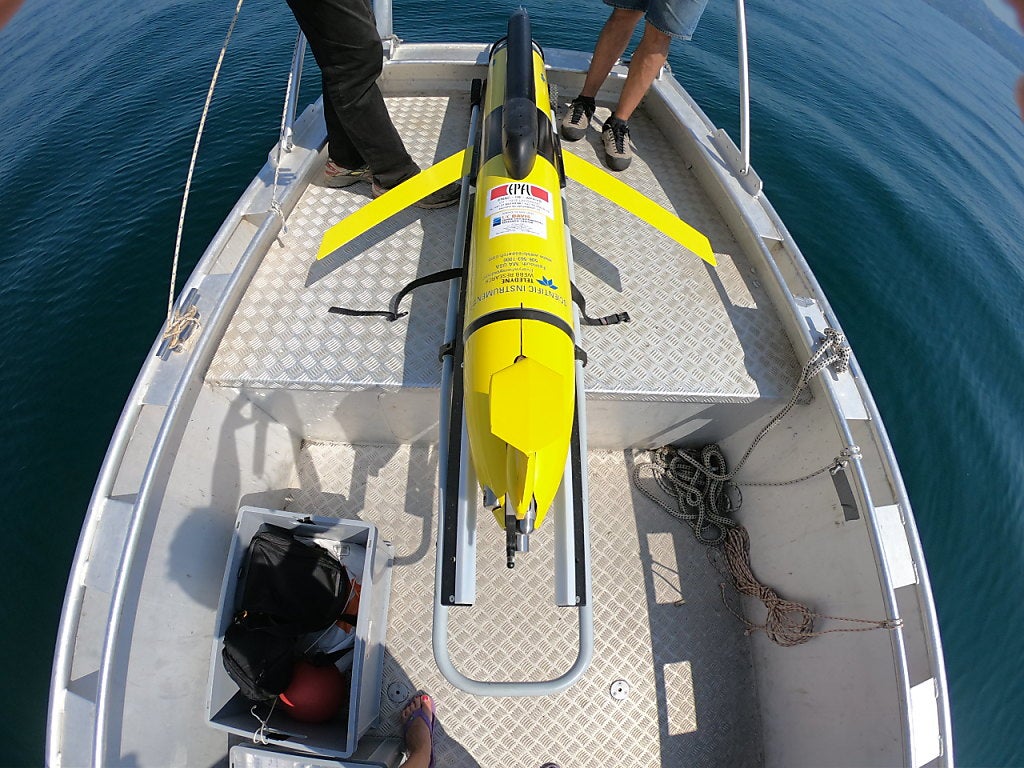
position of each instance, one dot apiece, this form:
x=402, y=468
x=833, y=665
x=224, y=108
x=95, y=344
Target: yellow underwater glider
x=518, y=327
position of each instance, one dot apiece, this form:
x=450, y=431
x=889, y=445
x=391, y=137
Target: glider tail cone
x=519, y=359
x=532, y=441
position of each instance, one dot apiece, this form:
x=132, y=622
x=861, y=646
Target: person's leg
x=340, y=148
x=344, y=40
x=611, y=44
x=665, y=19
x=648, y=59
x=418, y=734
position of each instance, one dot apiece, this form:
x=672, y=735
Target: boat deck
x=704, y=356
x=701, y=336
x=282, y=405
x=660, y=624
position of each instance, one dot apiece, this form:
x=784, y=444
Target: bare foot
x=418, y=717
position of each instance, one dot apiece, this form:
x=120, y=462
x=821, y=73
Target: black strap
x=321, y=659
x=392, y=312
x=518, y=313
x=618, y=317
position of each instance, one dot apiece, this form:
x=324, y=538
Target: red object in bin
x=315, y=694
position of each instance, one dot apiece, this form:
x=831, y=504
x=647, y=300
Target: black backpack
x=287, y=588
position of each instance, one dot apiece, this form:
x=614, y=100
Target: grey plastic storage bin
x=228, y=710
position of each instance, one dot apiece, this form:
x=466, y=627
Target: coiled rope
x=704, y=496
x=787, y=623
x=182, y=323
x=180, y=327
x=694, y=480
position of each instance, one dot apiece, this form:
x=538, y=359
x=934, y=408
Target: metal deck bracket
x=455, y=572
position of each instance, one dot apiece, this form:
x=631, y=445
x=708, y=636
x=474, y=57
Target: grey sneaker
x=577, y=119
x=442, y=198
x=337, y=176
x=615, y=137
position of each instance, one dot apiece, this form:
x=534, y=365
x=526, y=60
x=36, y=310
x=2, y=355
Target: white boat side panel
x=91, y=621
x=924, y=716
x=803, y=548
x=895, y=546
x=136, y=453
x=79, y=709
x=79, y=712
x=108, y=545
x=231, y=450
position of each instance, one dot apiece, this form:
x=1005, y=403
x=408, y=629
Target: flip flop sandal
x=430, y=719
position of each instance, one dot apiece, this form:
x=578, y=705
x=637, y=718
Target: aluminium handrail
x=382, y=13
x=741, y=41
x=291, y=97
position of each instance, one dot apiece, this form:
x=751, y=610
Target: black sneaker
x=442, y=198
x=615, y=137
x=577, y=119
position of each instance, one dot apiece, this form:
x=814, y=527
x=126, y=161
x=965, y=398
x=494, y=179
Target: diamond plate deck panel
x=698, y=335
x=282, y=335
x=660, y=626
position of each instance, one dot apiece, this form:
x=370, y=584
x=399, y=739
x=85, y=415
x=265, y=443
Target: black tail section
x=519, y=116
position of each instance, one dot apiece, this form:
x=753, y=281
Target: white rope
x=171, y=320
x=181, y=328
x=261, y=734
x=833, y=351
x=787, y=622
x=699, y=484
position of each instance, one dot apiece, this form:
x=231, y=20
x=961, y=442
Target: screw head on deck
x=398, y=692
x=619, y=690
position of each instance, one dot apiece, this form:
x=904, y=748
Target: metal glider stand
x=459, y=497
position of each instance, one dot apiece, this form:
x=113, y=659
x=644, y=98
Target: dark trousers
x=343, y=37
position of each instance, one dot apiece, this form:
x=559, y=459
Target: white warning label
x=518, y=208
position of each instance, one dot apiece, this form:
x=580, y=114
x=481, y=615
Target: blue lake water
x=887, y=137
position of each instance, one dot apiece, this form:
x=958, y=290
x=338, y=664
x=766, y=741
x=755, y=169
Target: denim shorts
x=677, y=18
